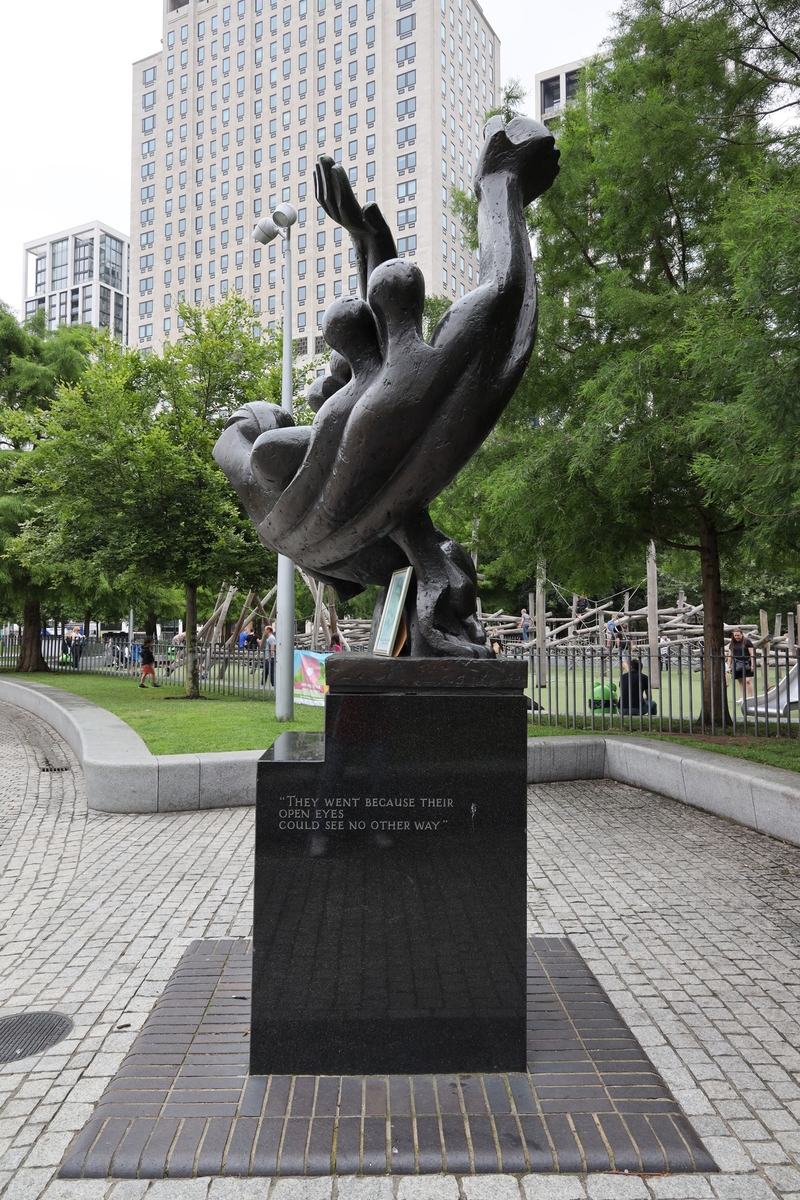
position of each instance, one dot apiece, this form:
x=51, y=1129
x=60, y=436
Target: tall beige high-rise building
x=230, y=115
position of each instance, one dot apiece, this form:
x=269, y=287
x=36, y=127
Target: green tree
x=618, y=429
x=126, y=484
x=34, y=362
x=747, y=350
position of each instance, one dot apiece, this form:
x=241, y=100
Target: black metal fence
x=576, y=688
x=227, y=671
x=686, y=690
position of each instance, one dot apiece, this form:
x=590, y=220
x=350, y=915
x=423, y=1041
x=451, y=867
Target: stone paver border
x=123, y=776
x=183, y=1104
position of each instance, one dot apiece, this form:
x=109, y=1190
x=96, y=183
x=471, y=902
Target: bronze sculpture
x=396, y=419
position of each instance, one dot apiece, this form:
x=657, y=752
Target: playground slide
x=778, y=700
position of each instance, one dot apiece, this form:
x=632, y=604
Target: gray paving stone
x=76, y=1189
x=49, y=1149
x=489, y=1187
x=729, y=1154
x=128, y=1189
x=350, y=1187
x=238, y=1189
x=743, y=1187
x=27, y=1185
x=427, y=1187
x=680, y=1187
x=178, y=1189
x=302, y=1189
x=616, y=1187
x=553, y=1187
x=785, y=1179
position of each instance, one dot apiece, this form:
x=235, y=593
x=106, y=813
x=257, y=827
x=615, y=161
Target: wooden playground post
x=334, y=620
x=317, y=617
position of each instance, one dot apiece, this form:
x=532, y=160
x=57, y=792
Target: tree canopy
x=125, y=484
x=661, y=401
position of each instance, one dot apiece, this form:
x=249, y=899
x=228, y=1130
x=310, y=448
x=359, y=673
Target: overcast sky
x=65, y=89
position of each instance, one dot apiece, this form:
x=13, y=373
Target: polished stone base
x=183, y=1104
x=389, y=928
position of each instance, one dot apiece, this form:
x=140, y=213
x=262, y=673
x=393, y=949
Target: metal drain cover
x=31, y=1033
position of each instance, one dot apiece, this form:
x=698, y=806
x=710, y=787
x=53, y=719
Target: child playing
x=148, y=663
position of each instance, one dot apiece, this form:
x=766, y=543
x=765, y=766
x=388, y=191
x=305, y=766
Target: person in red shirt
x=148, y=662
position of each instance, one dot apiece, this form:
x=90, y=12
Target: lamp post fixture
x=280, y=224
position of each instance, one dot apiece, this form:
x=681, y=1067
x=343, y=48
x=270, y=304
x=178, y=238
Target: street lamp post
x=280, y=224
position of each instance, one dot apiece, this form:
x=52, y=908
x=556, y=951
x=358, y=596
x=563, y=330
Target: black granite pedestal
x=389, y=928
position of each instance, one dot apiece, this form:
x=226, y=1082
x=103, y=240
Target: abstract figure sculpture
x=397, y=418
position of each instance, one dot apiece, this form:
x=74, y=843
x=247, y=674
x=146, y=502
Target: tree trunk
x=715, y=699
x=31, y=657
x=150, y=623
x=192, y=667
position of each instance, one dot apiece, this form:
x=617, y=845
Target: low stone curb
x=763, y=798
x=123, y=776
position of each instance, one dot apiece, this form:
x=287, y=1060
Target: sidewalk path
x=691, y=924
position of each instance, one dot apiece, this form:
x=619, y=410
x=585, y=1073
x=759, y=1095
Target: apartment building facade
x=79, y=276
x=554, y=89
x=230, y=116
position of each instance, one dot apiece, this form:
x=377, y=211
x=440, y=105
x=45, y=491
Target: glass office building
x=79, y=276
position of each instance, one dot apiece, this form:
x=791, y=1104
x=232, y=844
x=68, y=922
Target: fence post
x=652, y=616
x=541, y=623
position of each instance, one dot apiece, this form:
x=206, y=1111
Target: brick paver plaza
x=691, y=925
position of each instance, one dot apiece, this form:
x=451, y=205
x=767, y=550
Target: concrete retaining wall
x=123, y=776
x=764, y=798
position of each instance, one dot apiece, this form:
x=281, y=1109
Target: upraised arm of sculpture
x=347, y=497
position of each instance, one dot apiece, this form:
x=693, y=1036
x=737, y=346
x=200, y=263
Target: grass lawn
x=771, y=751
x=171, y=725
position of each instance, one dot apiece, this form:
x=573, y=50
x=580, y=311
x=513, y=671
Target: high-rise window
x=59, y=264
x=83, y=259
x=111, y=249
x=105, y=307
x=551, y=95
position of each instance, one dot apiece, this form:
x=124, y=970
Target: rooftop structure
x=79, y=276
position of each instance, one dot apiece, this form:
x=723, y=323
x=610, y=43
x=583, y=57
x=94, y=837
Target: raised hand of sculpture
x=347, y=497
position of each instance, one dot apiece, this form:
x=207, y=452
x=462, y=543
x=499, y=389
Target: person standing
x=76, y=650
x=741, y=659
x=525, y=624
x=148, y=661
x=270, y=647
